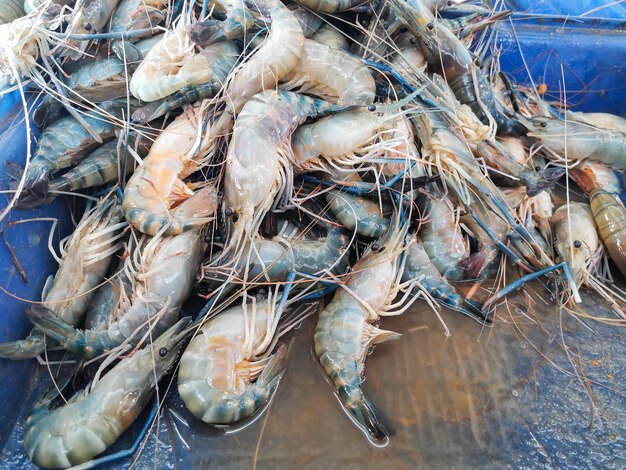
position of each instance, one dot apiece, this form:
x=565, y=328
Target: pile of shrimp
x=250, y=165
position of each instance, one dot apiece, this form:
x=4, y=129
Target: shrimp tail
x=371, y=419
x=476, y=266
x=83, y=343
x=537, y=182
x=207, y=32
x=23, y=349
x=274, y=370
x=36, y=185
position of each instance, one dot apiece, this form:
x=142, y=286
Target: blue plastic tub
x=549, y=35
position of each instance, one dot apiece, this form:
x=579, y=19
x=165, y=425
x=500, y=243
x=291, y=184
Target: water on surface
x=508, y=397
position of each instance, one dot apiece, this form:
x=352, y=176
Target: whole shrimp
x=610, y=216
x=222, y=378
x=92, y=421
x=161, y=271
x=578, y=141
x=85, y=259
x=157, y=185
x=172, y=65
x=331, y=74
x=345, y=332
x=257, y=164
x=449, y=57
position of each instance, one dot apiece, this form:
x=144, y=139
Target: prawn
x=93, y=420
x=345, y=332
x=157, y=184
x=85, y=258
x=161, y=271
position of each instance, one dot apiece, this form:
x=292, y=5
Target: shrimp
x=610, y=217
x=272, y=61
x=172, y=64
x=63, y=144
x=331, y=74
x=578, y=141
x=157, y=185
x=257, y=165
x=220, y=379
x=442, y=238
x=86, y=255
x=590, y=175
x=419, y=267
x=331, y=37
x=345, y=332
x=161, y=271
x=450, y=58
x=92, y=421
x=357, y=214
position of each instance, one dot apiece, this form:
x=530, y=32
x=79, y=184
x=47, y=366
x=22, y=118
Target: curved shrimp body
x=11, y=10
x=590, y=176
x=272, y=60
x=157, y=185
x=92, y=422
x=218, y=379
x=335, y=136
x=442, y=237
x=331, y=74
x=172, y=65
x=256, y=163
x=344, y=331
x=330, y=36
x=138, y=14
x=610, y=217
x=331, y=6
x=576, y=238
x=357, y=214
x=161, y=272
x=419, y=267
x=86, y=257
x=580, y=141
x=61, y=145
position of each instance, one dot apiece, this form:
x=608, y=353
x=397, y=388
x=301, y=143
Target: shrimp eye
x=578, y=243
x=88, y=26
x=371, y=108
x=543, y=124
x=228, y=212
x=375, y=247
x=163, y=352
x=449, y=3
x=430, y=26
x=413, y=40
x=537, y=168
